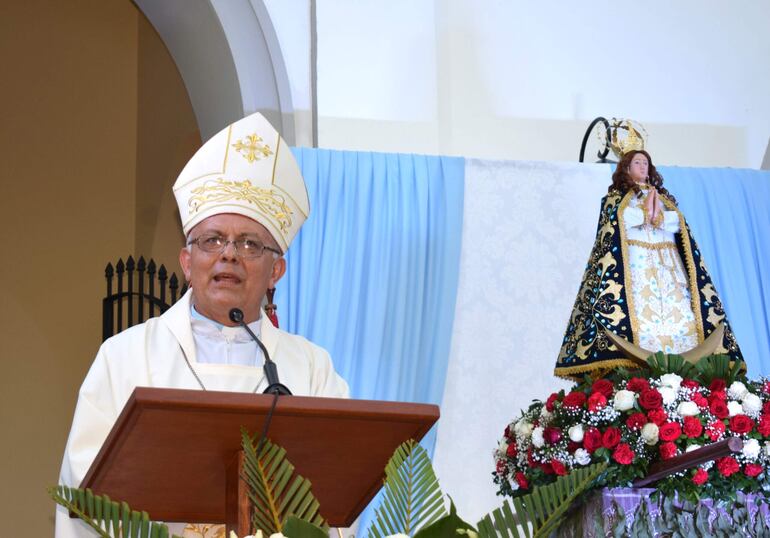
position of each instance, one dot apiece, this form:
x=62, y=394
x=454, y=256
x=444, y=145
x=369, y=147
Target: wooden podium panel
x=169, y=450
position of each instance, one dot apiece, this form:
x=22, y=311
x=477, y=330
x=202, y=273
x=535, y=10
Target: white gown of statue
x=659, y=285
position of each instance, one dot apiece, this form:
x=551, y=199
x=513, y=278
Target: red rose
x=670, y=431
x=592, y=439
x=700, y=477
x=690, y=384
x=636, y=421
x=511, y=451
x=596, y=401
x=700, y=400
x=558, y=467
x=718, y=395
x=550, y=401
x=507, y=433
x=715, y=430
x=547, y=468
x=717, y=385
x=521, y=480
x=764, y=425
x=657, y=416
x=500, y=467
x=719, y=409
x=637, y=384
x=610, y=438
x=728, y=466
x=752, y=469
x=572, y=446
x=551, y=435
x=667, y=450
x=603, y=386
x=574, y=400
x=623, y=454
x=531, y=458
x=766, y=387
x=692, y=427
x=650, y=399
x=741, y=424
x=766, y=407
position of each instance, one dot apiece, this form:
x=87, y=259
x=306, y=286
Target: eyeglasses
x=245, y=247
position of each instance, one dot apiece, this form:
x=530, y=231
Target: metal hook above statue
x=618, y=135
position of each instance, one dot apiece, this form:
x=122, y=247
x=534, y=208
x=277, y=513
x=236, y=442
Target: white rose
x=582, y=457
x=735, y=408
x=688, y=409
x=537, y=437
x=751, y=449
x=737, y=390
x=690, y=448
x=752, y=405
x=670, y=380
x=576, y=433
x=624, y=400
x=650, y=433
x=669, y=395
x=767, y=449
x=523, y=428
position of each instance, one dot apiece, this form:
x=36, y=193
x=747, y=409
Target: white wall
x=522, y=80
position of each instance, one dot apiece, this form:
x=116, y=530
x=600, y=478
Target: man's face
x=224, y=280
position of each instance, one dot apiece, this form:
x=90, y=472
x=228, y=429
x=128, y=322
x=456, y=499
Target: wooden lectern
x=175, y=453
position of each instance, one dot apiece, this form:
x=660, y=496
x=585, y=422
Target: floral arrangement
x=632, y=421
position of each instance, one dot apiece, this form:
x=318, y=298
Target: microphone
x=274, y=386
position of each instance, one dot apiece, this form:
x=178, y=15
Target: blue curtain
x=728, y=211
x=372, y=276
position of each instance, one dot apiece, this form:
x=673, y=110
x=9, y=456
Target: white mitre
x=247, y=169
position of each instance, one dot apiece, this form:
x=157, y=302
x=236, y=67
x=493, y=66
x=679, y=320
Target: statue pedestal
x=610, y=508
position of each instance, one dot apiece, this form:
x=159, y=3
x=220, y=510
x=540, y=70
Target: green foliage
x=661, y=364
x=296, y=527
x=412, y=498
x=718, y=367
x=108, y=518
x=276, y=492
x=446, y=526
x=544, y=508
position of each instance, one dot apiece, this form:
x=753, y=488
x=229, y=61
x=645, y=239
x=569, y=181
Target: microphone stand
x=274, y=386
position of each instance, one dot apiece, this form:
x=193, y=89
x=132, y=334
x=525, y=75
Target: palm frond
x=108, y=518
x=660, y=364
x=544, y=509
x=412, y=498
x=276, y=492
x=718, y=367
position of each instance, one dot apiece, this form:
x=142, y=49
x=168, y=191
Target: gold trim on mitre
x=245, y=169
x=221, y=190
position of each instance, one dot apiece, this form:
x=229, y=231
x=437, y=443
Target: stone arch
x=228, y=55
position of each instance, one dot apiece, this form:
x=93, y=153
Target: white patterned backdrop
x=527, y=233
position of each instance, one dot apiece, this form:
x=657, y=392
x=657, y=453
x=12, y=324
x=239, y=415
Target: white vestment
x=153, y=355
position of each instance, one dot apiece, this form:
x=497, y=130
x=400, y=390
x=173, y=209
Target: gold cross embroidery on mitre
x=252, y=150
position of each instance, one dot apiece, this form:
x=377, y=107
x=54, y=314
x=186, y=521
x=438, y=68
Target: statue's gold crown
x=626, y=135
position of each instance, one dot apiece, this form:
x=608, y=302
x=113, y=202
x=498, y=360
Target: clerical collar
x=200, y=321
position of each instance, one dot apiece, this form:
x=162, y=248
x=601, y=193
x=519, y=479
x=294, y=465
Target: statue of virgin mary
x=645, y=288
